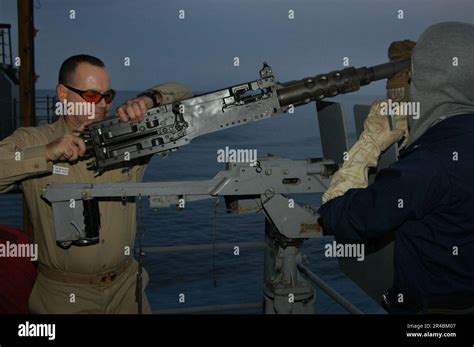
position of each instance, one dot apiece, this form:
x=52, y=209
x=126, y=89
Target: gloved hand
x=398, y=86
x=377, y=129
x=375, y=139
x=171, y=92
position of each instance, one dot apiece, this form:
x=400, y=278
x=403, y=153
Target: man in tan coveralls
x=99, y=278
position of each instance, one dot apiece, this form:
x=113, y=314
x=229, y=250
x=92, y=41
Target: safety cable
x=141, y=234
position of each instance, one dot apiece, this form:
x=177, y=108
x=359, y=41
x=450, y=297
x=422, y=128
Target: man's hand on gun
x=135, y=109
x=71, y=147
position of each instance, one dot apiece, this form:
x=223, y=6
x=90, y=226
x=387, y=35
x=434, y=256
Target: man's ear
x=61, y=92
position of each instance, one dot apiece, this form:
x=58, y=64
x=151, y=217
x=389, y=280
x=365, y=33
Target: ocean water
x=219, y=278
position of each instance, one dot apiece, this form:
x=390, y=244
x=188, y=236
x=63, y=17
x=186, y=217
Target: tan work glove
x=365, y=153
x=398, y=86
x=171, y=92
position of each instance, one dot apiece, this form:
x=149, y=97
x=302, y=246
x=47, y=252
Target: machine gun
x=168, y=127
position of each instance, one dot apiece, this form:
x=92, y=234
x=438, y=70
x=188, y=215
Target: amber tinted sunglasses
x=94, y=96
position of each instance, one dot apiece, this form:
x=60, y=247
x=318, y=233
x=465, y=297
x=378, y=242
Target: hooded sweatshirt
x=426, y=198
x=442, y=75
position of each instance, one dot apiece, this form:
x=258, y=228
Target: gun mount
x=246, y=188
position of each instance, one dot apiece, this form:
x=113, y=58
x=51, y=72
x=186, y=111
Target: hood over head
x=442, y=68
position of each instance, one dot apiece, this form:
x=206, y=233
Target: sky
x=199, y=50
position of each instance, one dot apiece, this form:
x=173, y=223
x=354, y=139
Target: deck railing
x=253, y=245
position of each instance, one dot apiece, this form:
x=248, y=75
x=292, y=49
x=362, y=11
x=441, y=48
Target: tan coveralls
x=100, y=278
x=118, y=226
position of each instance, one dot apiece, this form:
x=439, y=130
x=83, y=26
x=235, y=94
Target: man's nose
x=102, y=103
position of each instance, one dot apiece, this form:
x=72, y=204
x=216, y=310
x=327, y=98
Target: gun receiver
x=168, y=127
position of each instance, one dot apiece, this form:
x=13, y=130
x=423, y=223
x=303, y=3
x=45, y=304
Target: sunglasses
x=94, y=96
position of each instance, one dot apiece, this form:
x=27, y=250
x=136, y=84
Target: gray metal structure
x=246, y=188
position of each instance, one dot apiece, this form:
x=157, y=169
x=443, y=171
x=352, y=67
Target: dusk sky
x=199, y=50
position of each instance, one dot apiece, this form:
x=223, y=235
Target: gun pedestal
x=285, y=290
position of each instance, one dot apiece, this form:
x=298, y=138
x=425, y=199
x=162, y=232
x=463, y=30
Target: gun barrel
x=382, y=71
x=336, y=82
